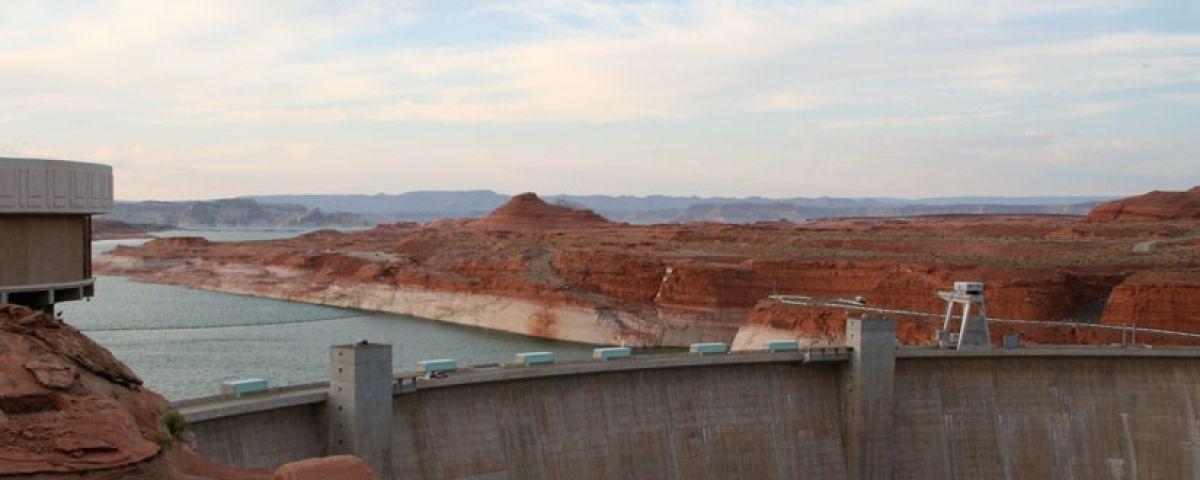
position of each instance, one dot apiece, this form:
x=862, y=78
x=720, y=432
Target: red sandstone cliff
x=549, y=271
x=1151, y=206
x=1168, y=300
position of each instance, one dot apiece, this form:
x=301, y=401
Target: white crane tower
x=973, y=329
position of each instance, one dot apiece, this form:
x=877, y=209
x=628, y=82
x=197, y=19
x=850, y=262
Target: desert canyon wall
x=551, y=271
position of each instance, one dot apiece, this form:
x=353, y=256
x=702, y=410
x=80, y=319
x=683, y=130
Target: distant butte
x=1153, y=206
x=528, y=212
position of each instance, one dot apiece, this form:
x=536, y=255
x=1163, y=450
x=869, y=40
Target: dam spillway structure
x=46, y=209
x=973, y=328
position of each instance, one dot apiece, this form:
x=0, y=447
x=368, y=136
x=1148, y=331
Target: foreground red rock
x=548, y=271
x=1150, y=207
x=338, y=467
x=69, y=409
x=66, y=404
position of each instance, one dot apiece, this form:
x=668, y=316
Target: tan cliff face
x=550, y=271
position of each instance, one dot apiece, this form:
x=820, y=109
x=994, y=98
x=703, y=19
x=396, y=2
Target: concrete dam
x=863, y=410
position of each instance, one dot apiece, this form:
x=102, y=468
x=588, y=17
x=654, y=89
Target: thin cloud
x=556, y=87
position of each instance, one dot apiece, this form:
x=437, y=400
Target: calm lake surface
x=183, y=342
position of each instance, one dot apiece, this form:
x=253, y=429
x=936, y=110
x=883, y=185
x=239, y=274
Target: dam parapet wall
x=1031, y=412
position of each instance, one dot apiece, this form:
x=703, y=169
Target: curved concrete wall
x=1099, y=418
x=264, y=439
x=1024, y=413
x=733, y=421
x=43, y=250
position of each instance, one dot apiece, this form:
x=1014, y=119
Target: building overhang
x=48, y=294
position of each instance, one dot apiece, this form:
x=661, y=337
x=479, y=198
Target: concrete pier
x=360, y=404
x=870, y=395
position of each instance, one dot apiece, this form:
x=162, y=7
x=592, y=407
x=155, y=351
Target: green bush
x=175, y=423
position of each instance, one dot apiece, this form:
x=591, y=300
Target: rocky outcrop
x=66, y=404
x=338, y=467
x=69, y=409
x=1153, y=206
x=567, y=275
x=527, y=211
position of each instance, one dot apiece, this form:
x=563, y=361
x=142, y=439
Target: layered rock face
x=555, y=272
x=1152, y=206
x=1162, y=300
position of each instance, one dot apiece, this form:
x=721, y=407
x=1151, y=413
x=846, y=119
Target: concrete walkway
x=1146, y=246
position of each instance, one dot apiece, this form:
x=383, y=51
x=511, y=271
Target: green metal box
x=611, y=353
x=703, y=349
x=438, y=365
x=782, y=345
x=535, y=358
x=243, y=386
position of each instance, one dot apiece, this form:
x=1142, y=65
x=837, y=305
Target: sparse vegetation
x=175, y=423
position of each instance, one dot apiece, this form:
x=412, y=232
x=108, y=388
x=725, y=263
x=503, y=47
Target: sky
x=207, y=99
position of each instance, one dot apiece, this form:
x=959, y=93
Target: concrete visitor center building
x=46, y=208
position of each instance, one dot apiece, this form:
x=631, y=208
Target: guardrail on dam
x=867, y=410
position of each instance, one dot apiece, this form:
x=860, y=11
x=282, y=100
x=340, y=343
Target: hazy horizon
x=561, y=194
x=211, y=99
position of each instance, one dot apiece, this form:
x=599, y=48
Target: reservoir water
x=183, y=342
